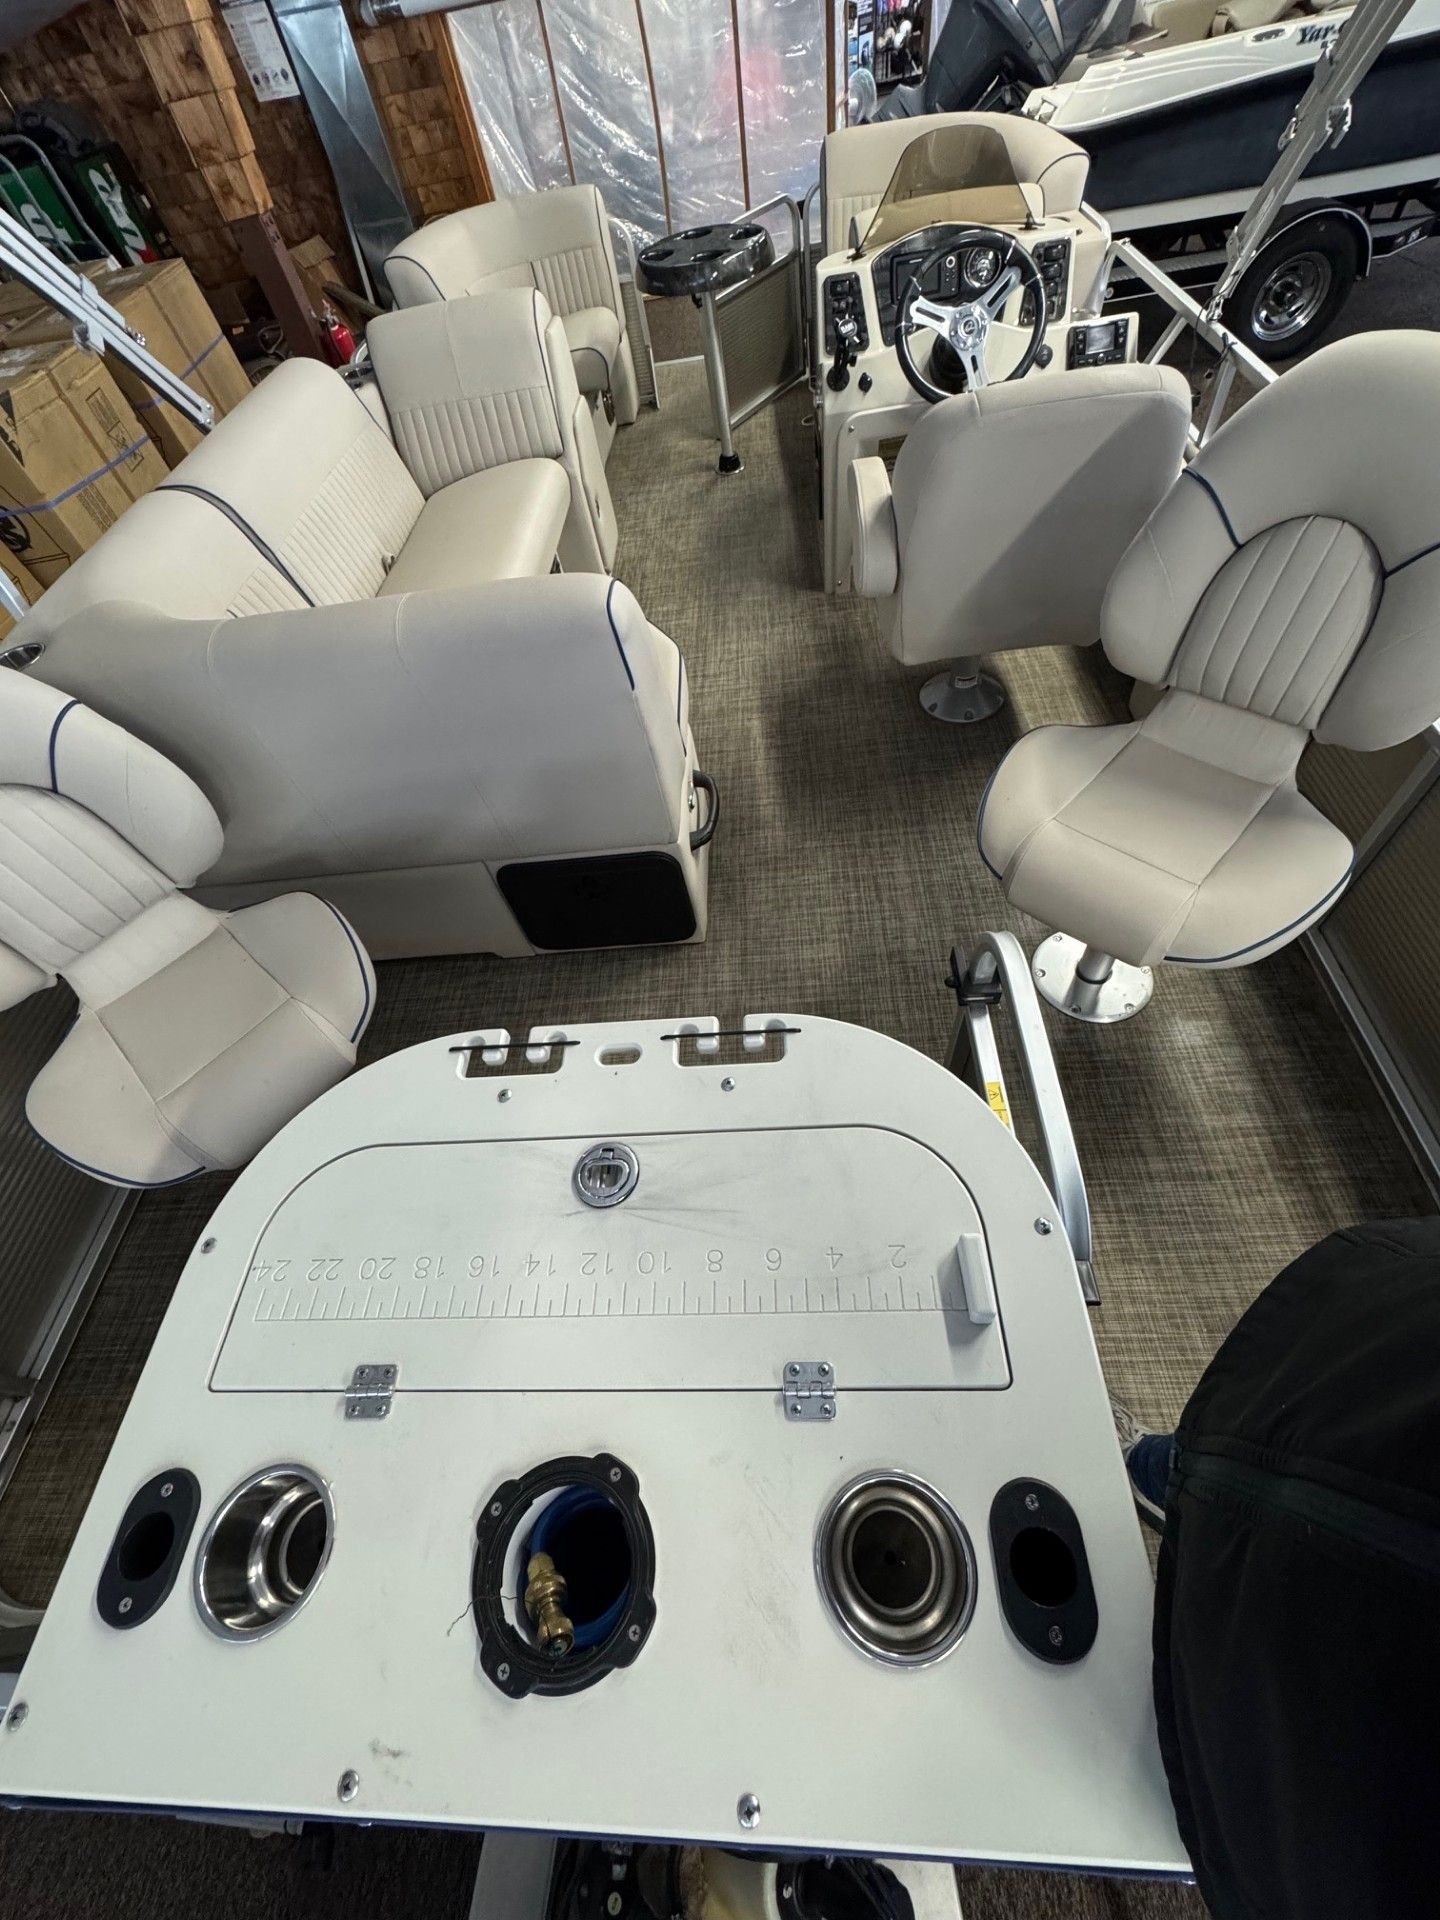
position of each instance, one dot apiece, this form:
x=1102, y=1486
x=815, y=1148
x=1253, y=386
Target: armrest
x=468, y=384
x=420, y=730
x=875, y=553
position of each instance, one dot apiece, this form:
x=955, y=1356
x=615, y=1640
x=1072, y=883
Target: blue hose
x=565, y=1505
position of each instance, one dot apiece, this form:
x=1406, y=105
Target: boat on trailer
x=770, y=1332
x=1183, y=109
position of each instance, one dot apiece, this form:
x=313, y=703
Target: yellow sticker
x=995, y=1094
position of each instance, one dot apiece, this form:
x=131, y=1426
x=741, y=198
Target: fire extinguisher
x=339, y=340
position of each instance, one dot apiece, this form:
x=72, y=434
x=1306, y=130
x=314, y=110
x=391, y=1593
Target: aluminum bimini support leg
x=995, y=973
x=1085, y=983
x=962, y=693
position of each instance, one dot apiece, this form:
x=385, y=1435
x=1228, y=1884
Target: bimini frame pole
x=98, y=326
x=1322, y=118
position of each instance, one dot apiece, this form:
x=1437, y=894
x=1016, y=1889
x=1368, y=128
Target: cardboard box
x=315, y=263
x=72, y=455
x=19, y=575
x=163, y=303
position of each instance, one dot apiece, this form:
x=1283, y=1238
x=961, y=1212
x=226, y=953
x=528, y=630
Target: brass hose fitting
x=545, y=1603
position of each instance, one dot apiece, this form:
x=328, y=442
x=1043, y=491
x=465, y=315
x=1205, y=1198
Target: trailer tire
x=1291, y=292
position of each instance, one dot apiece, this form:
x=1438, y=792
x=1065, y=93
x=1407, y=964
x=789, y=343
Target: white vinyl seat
x=1287, y=588
x=557, y=241
x=199, y=1034
x=1007, y=513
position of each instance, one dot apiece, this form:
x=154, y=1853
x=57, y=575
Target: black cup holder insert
x=1046, y=1592
x=148, y=1547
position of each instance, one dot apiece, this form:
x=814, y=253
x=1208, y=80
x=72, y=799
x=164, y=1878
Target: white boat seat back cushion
x=199, y=1034
x=1013, y=505
x=1294, y=569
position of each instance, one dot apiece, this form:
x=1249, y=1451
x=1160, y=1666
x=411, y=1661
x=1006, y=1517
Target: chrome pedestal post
x=962, y=694
x=729, y=461
x=1086, y=984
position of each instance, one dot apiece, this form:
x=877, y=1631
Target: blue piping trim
x=616, y=631
x=980, y=816
x=1189, y=473
x=360, y=962
x=54, y=779
x=1391, y=571
x=114, y=1179
x=44, y=506
x=1186, y=960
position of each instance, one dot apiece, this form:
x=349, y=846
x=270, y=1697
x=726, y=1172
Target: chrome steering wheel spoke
x=925, y=312
x=997, y=294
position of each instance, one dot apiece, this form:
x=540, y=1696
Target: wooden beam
x=465, y=125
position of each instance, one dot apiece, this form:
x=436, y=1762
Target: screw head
x=829, y=1409
x=349, y=1784
x=824, y=1369
x=614, y=1476
x=503, y=1095
x=502, y=1672
x=633, y=1635
x=1056, y=1637
x=167, y=1489
x=747, y=1811
x=793, y=1368
x=1043, y=1227
x=496, y=1509
x=17, y=1715
x=613, y=1905
x=727, y=1085
x=208, y=1246
x=1032, y=1503
x=125, y=1605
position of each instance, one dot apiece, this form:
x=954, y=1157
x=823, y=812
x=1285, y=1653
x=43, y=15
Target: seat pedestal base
x=1086, y=985
x=962, y=694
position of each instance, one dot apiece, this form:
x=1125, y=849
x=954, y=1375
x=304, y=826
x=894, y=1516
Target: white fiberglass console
x=970, y=271
x=778, y=1343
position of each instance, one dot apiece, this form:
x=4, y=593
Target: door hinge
x=809, y=1387
x=371, y=1389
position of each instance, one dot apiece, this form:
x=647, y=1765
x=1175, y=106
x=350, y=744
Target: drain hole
x=896, y=1568
x=263, y=1552
x=1043, y=1567
x=145, y=1546
x=891, y=1561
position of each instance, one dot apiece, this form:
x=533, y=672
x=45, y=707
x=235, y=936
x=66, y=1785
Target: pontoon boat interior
x=876, y=950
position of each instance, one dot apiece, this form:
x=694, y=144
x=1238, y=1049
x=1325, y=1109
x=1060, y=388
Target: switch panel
x=843, y=301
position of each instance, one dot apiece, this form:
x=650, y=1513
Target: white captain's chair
x=1286, y=589
x=199, y=1033
x=1007, y=514
x=558, y=241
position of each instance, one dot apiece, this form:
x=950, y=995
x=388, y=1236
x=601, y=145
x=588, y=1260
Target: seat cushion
x=1181, y=837
x=201, y=1063
x=594, y=336
x=503, y=524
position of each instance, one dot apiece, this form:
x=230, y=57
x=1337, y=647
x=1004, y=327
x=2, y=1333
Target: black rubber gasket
x=508, y=1660
x=172, y=1497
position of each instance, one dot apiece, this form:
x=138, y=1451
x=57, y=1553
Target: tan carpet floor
x=1222, y=1133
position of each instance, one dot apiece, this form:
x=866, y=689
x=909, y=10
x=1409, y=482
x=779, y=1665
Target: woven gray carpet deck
x=1222, y=1133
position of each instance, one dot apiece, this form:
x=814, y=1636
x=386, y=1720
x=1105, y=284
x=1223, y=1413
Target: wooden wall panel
x=430, y=134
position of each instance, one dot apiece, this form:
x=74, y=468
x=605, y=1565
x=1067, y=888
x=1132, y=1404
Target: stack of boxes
x=81, y=437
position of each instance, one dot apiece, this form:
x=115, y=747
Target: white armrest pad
x=875, y=559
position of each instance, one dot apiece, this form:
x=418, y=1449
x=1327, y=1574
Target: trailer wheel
x=1295, y=287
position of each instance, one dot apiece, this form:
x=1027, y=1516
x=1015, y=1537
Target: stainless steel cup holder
x=896, y=1568
x=263, y=1552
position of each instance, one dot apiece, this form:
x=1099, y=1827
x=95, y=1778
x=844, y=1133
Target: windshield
x=949, y=175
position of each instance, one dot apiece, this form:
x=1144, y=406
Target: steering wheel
x=965, y=327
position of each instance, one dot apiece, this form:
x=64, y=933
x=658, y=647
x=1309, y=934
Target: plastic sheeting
x=500, y=51
x=782, y=58
x=692, y=55
x=644, y=102
x=600, y=70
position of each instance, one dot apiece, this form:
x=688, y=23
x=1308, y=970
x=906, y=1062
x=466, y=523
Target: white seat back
x=1294, y=568
x=1013, y=505
x=558, y=241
